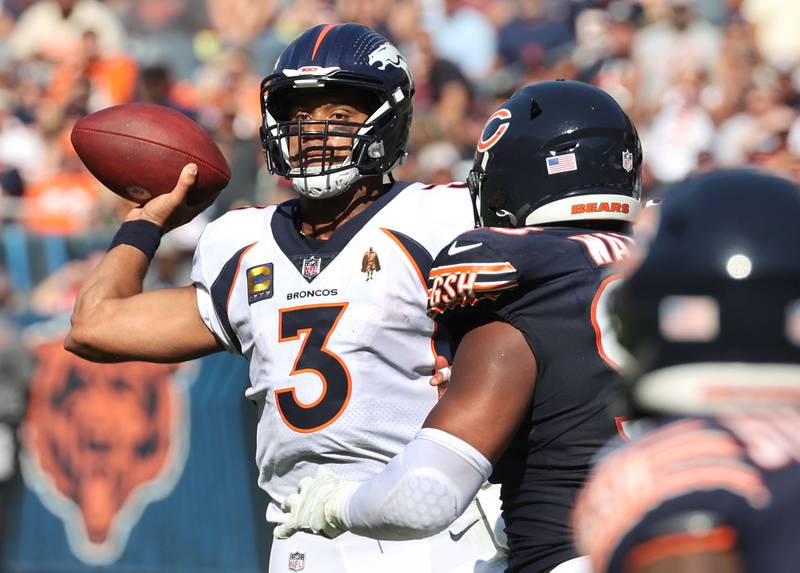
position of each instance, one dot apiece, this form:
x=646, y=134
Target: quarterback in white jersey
x=325, y=295
x=339, y=365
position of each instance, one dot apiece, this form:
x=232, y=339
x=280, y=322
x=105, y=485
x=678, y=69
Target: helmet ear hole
x=536, y=109
x=497, y=200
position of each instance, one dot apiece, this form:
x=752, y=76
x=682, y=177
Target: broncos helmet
x=331, y=57
x=557, y=152
x=711, y=314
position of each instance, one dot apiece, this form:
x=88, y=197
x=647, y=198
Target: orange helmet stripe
x=321, y=37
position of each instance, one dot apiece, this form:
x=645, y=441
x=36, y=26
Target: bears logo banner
x=101, y=442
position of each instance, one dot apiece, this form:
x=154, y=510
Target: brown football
x=138, y=150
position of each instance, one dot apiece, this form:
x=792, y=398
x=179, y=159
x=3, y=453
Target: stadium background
x=130, y=468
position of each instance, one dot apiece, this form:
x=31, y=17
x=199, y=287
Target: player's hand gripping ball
x=138, y=150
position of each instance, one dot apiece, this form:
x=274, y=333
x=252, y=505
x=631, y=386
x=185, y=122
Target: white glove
x=318, y=506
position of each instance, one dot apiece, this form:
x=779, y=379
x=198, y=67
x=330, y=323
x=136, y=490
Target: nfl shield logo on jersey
x=311, y=266
x=627, y=161
x=297, y=561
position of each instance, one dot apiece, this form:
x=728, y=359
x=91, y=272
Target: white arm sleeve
x=421, y=491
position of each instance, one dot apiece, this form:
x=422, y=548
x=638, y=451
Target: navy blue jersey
x=546, y=282
x=740, y=474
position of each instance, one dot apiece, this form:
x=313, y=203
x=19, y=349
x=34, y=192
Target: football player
x=339, y=364
x=711, y=318
x=558, y=174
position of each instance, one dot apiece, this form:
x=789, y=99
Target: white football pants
x=468, y=545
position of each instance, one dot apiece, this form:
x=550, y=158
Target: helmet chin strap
x=326, y=185
x=515, y=218
x=511, y=217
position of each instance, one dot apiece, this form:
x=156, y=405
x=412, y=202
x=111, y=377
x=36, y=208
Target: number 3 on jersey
x=317, y=322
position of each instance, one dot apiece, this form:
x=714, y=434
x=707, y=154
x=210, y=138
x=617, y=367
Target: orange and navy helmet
x=557, y=152
x=338, y=57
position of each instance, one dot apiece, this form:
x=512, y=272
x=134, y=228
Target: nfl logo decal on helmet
x=627, y=161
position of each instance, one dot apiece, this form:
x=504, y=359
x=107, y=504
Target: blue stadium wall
x=189, y=500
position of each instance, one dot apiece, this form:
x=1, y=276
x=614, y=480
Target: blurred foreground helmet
x=557, y=152
x=331, y=58
x=711, y=316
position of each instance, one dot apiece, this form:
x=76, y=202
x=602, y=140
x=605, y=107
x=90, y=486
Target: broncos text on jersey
x=548, y=283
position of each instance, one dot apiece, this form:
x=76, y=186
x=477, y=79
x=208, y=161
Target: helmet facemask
x=324, y=157
x=488, y=205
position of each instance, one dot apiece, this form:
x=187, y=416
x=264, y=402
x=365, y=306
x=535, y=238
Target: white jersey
x=339, y=345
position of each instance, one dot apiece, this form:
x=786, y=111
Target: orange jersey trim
x=236, y=276
x=719, y=539
x=494, y=286
x=417, y=270
x=476, y=268
x=598, y=332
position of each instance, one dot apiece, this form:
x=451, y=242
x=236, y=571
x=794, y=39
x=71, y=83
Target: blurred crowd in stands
x=708, y=82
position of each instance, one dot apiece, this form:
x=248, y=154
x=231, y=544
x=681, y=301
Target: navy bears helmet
x=557, y=152
x=711, y=316
x=336, y=57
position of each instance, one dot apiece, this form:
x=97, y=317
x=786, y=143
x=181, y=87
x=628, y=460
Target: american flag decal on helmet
x=561, y=163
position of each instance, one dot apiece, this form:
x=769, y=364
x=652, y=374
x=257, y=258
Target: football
x=138, y=150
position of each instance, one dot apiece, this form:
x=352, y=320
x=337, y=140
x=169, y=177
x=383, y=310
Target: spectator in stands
x=172, y=264
x=536, y=27
x=53, y=28
x=248, y=24
x=775, y=23
x=11, y=184
x=21, y=146
x=681, y=129
x=56, y=294
x=155, y=86
x=228, y=105
x=163, y=32
x=665, y=45
x=300, y=15
x=108, y=77
x=372, y=13
x=440, y=163
x=606, y=61
x=65, y=202
x=462, y=35
x=764, y=117
x=431, y=73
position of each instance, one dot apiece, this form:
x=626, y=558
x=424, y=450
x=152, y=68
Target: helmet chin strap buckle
x=376, y=150
x=511, y=217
